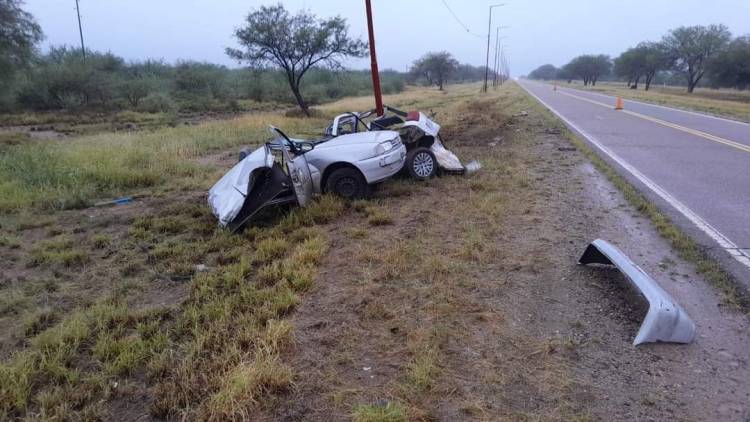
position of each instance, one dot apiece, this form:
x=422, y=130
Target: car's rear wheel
x=421, y=163
x=348, y=183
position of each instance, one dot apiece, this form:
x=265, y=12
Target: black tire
x=348, y=183
x=421, y=164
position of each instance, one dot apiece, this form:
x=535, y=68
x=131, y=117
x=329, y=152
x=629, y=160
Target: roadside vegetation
x=699, y=68
x=64, y=91
x=688, y=56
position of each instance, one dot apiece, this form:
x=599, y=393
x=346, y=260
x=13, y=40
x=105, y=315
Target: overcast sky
x=541, y=31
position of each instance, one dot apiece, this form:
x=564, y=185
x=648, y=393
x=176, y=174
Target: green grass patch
x=59, y=251
x=8, y=241
x=387, y=412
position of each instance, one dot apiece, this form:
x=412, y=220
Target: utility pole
x=373, y=63
x=498, y=46
x=489, y=35
x=80, y=31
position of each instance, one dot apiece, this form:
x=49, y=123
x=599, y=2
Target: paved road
x=696, y=167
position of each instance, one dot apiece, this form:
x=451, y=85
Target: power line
x=460, y=22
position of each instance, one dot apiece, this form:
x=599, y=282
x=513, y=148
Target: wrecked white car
x=427, y=154
x=291, y=171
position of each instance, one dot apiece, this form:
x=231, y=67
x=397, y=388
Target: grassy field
x=728, y=103
x=102, y=304
x=74, y=173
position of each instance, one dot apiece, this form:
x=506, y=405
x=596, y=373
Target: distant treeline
x=687, y=56
x=62, y=80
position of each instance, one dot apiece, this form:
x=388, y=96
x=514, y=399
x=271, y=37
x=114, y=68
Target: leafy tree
x=436, y=68
x=544, y=72
x=566, y=73
x=692, y=47
x=271, y=36
x=655, y=59
x=589, y=68
x=135, y=89
x=19, y=33
x=731, y=68
x=630, y=65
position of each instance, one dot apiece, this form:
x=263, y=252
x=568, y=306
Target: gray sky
x=541, y=31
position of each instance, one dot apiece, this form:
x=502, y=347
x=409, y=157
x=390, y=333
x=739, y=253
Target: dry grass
x=719, y=102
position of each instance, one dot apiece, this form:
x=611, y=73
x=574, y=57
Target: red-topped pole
x=374, y=63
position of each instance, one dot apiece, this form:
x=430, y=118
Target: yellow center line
x=714, y=138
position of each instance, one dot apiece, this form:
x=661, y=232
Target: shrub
x=156, y=103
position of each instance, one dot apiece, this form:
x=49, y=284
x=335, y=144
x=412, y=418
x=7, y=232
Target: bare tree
x=692, y=47
x=272, y=36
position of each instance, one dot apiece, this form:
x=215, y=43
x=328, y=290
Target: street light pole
x=494, y=66
x=504, y=65
x=80, y=31
x=489, y=35
x=498, y=47
x=498, y=44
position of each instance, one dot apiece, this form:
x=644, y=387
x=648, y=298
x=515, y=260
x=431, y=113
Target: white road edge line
x=730, y=247
x=679, y=110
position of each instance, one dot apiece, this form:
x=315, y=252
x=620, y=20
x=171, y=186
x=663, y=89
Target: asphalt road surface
x=695, y=167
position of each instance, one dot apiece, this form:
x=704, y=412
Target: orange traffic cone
x=618, y=103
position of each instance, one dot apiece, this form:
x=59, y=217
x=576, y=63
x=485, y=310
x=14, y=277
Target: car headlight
x=384, y=147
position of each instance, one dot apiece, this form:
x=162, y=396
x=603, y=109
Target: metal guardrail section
x=666, y=320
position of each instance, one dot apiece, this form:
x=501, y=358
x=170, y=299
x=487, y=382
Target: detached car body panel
x=666, y=320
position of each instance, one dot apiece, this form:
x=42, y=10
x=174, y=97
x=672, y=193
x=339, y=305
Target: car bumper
x=383, y=166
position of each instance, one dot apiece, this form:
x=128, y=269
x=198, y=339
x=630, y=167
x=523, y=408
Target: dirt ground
x=515, y=329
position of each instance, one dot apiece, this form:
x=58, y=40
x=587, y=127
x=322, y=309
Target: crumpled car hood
x=227, y=196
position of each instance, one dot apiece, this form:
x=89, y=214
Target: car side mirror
x=305, y=147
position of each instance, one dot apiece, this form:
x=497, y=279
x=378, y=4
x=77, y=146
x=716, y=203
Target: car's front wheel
x=348, y=183
x=421, y=163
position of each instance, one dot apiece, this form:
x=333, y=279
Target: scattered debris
x=521, y=114
x=118, y=201
x=567, y=149
x=666, y=320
